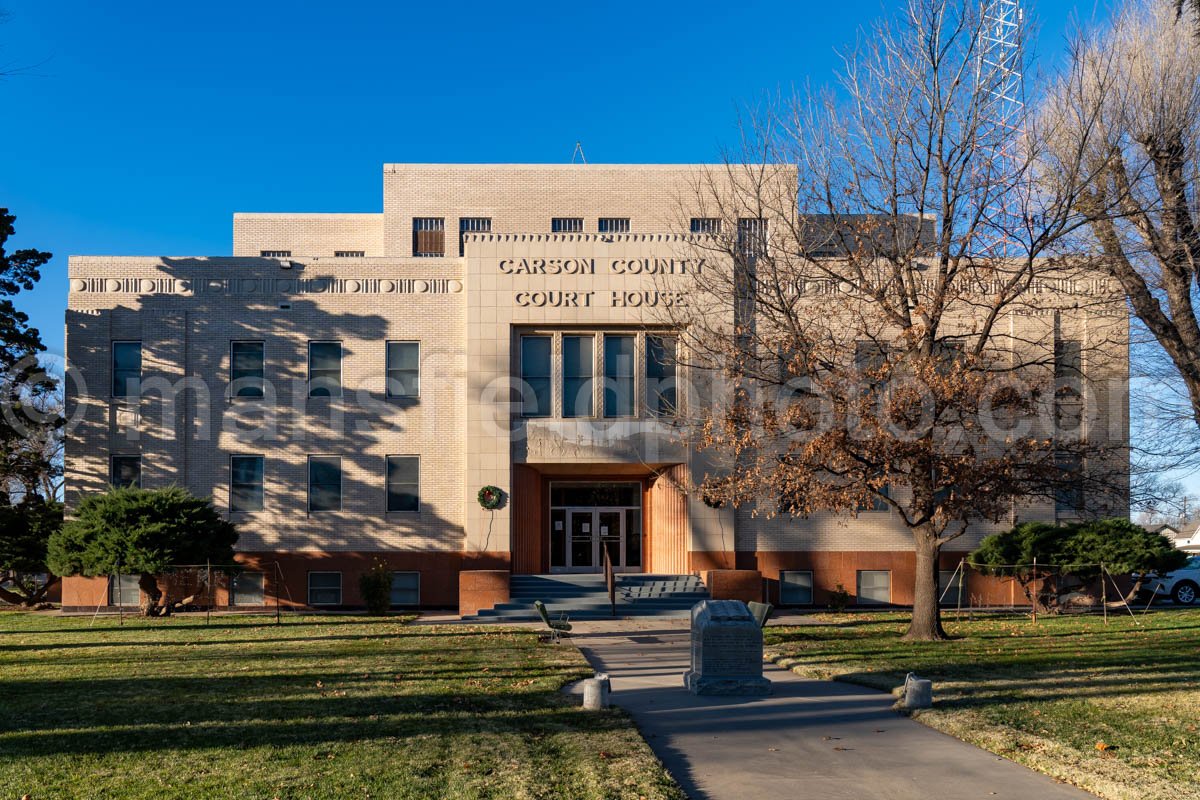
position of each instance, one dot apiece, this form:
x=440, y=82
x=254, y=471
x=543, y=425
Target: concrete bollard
x=918, y=692
x=595, y=692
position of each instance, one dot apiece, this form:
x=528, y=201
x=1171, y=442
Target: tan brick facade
x=468, y=314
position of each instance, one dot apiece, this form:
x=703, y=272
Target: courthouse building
x=340, y=386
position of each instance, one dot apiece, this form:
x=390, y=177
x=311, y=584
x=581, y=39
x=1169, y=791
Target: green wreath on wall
x=490, y=497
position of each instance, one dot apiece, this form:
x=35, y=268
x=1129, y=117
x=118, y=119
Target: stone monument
x=727, y=650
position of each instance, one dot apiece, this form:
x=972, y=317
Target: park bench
x=557, y=626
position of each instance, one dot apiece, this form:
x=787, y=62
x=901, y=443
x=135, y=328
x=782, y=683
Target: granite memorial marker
x=727, y=650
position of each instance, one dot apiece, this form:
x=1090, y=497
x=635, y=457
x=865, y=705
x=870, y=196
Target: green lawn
x=322, y=707
x=1043, y=694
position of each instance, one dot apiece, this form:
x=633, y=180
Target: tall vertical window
x=403, y=483
x=661, y=397
x=429, y=237
x=126, y=369
x=578, y=376
x=706, y=225
x=566, y=225
x=324, y=483
x=1068, y=492
x=613, y=225
x=125, y=471
x=535, y=373
x=618, y=375
x=1068, y=368
x=472, y=225
x=403, y=369
x=324, y=369
x=752, y=236
x=246, y=371
x=245, y=483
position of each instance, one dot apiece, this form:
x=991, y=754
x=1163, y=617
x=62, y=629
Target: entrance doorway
x=587, y=519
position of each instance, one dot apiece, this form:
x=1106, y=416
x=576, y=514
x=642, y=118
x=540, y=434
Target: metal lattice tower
x=1000, y=65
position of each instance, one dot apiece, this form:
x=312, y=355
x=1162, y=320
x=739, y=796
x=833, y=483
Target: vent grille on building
x=472, y=225
x=613, y=225
x=566, y=225
x=429, y=237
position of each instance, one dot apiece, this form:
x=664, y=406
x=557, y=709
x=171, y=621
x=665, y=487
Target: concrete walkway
x=810, y=739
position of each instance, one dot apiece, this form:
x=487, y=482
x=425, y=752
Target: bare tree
x=883, y=319
x=1126, y=122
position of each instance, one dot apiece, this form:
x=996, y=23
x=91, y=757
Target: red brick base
x=735, y=584
x=481, y=588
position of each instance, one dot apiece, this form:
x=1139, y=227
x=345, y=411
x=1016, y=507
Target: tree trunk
x=16, y=599
x=156, y=600
x=926, y=625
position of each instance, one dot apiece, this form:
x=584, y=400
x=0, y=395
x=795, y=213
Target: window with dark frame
x=349, y=253
x=246, y=483
x=406, y=589
x=471, y=225
x=126, y=369
x=403, y=369
x=429, y=237
x=796, y=587
x=125, y=471
x=324, y=588
x=324, y=369
x=709, y=225
x=403, y=483
x=874, y=587
x=536, y=363
x=619, y=375
x=613, y=225
x=247, y=369
x=566, y=225
x=275, y=253
x=324, y=483
x=578, y=376
x=661, y=395
x=752, y=236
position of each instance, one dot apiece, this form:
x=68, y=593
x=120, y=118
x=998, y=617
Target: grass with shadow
x=1112, y=708
x=321, y=707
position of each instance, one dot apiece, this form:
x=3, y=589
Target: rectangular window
x=874, y=587
x=126, y=369
x=324, y=588
x=429, y=237
x=613, y=225
x=123, y=590
x=247, y=589
x=566, y=225
x=950, y=582
x=246, y=369
x=125, y=471
x=472, y=225
x=877, y=503
x=275, y=253
x=535, y=373
x=403, y=369
x=403, y=483
x=710, y=225
x=578, y=376
x=324, y=369
x=661, y=397
x=618, y=375
x=796, y=587
x=245, y=483
x=349, y=253
x=1068, y=493
x=1068, y=368
x=752, y=236
x=324, y=483
x=406, y=589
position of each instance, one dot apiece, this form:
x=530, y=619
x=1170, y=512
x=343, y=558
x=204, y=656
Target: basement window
x=874, y=587
x=406, y=589
x=796, y=587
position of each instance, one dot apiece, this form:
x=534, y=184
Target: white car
x=1182, y=585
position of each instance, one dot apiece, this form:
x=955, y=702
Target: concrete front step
x=585, y=596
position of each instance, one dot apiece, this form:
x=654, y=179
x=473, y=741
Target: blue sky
x=140, y=126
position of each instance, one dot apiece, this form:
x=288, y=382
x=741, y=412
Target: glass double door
x=591, y=531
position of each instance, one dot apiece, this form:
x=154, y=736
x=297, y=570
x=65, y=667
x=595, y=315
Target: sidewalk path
x=810, y=739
